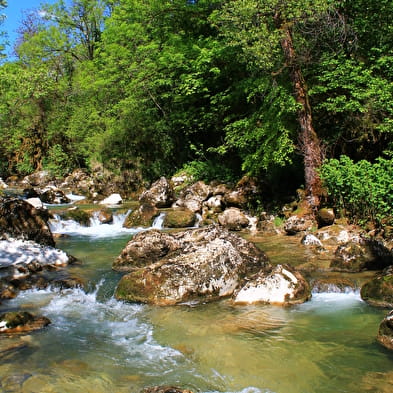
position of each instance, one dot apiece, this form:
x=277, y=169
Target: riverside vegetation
x=280, y=111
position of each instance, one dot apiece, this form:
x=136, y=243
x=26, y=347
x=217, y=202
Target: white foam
x=14, y=252
x=95, y=229
x=158, y=221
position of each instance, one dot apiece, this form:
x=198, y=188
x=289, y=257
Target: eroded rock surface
x=379, y=291
x=20, y=220
x=283, y=285
x=385, y=332
x=195, y=265
x=20, y=322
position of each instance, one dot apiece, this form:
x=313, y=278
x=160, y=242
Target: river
x=98, y=344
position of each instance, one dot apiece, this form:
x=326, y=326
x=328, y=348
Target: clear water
x=97, y=344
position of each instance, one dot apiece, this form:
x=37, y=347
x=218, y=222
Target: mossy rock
x=142, y=217
x=18, y=321
x=379, y=291
x=78, y=215
x=179, y=219
x=385, y=332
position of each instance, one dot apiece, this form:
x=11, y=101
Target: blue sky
x=14, y=15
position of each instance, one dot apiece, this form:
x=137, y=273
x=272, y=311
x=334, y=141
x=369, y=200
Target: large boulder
x=192, y=198
x=20, y=322
x=113, y=199
x=20, y=220
x=53, y=195
x=353, y=256
x=160, y=194
x=296, y=224
x=38, y=179
x=325, y=217
x=194, y=265
x=283, y=285
x=144, y=249
x=233, y=219
x=385, y=332
x=379, y=291
x=179, y=218
x=141, y=217
x=245, y=193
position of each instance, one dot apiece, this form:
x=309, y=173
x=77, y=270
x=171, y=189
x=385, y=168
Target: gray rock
x=194, y=265
x=385, y=332
x=160, y=194
x=233, y=219
x=283, y=285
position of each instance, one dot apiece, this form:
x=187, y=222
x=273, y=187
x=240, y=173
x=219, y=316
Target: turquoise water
x=97, y=344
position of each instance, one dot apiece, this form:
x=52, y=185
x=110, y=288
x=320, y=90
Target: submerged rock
x=385, y=332
x=165, y=389
x=20, y=220
x=19, y=322
x=199, y=264
x=379, y=291
x=283, y=285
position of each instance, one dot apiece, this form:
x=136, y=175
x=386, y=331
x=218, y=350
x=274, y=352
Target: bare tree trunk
x=308, y=139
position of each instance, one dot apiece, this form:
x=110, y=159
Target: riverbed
x=98, y=344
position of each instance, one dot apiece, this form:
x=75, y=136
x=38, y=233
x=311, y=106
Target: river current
x=98, y=344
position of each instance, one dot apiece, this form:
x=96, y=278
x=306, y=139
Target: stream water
x=98, y=344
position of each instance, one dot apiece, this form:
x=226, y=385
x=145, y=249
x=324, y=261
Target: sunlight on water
x=98, y=344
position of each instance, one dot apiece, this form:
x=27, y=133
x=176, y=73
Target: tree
x=264, y=31
x=3, y=4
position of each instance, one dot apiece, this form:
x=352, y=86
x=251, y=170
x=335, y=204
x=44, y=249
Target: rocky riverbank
x=170, y=268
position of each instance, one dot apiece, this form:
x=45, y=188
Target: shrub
x=362, y=189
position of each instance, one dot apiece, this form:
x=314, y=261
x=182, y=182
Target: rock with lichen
x=201, y=264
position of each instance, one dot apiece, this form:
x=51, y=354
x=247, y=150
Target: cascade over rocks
x=26, y=264
x=282, y=285
x=385, y=332
x=194, y=265
x=20, y=220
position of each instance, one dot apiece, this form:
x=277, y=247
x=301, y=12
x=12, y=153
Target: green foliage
x=57, y=161
x=363, y=190
x=207, y=171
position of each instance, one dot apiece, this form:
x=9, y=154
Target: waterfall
x=158, y=221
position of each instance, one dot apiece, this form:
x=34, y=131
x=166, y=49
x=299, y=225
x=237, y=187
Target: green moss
x=131, y=288
x=179, y=219
x=78, y=215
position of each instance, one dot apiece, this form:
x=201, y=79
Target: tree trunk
x=308, y=139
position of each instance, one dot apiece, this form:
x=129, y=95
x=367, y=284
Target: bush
x=363, y=189
x=208, y=171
